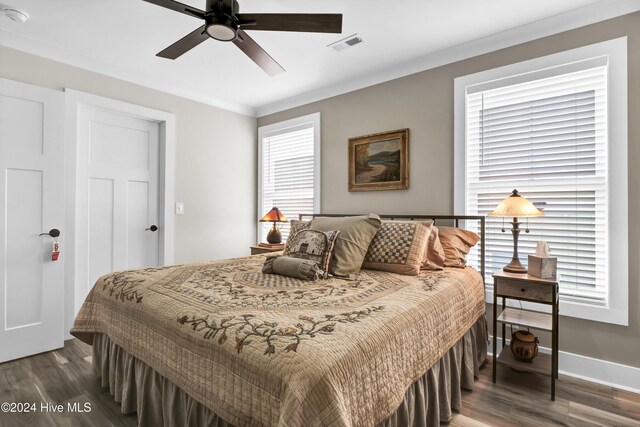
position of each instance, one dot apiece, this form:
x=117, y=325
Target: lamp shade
x=515, y=206
x=274, y=215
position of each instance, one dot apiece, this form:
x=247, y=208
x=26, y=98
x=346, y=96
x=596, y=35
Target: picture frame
x=379, y=161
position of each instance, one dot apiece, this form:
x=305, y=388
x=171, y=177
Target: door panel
x=110, y=140
x=118, y=174
x=142, y=245
x=23, y=120
x=31, y=202
x=100, y=227
x=26, y=254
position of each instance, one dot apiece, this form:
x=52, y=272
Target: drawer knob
x=522, y=289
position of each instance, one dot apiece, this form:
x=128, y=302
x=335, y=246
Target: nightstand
x=524, y=287
x=255, y=250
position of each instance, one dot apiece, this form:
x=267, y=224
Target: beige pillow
x=456, y=242
x=399, y=247
x=298, y=268
x=434, y=253
x=356, y=233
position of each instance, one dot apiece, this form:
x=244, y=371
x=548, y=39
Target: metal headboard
x=435, y=218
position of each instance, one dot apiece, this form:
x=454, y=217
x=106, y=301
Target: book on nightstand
x=272, y=245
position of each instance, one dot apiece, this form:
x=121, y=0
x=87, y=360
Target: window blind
x=287, y=174
x=547, y=138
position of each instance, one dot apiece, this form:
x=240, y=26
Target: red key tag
x=56, y=250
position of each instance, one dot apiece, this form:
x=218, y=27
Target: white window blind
x=546, y=137
x=288, y=172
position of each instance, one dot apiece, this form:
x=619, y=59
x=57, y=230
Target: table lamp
x=274, y=215
x=515, y=206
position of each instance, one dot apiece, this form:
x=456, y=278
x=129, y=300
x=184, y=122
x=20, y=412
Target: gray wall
x=423, y=102
x=215, y=156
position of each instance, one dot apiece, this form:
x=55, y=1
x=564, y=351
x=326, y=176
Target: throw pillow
x=456, y=242
x=304, y=269
x=313, y=245
x=399, y=247
x=434, y=254
x=356, y=233
x=296, y=226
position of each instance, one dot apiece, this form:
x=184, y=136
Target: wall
x=215, y=166
x=215, y=155
x=423, y=102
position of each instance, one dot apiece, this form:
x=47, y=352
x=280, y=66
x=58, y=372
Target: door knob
x=54, y=232
x=152, y=228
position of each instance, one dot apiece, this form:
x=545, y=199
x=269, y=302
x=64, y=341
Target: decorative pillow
x=399, y=247
x=304, y=269
x=434, y=254
x=296, y=226
x=313, y=245
x=456, y=242
x=356, y=233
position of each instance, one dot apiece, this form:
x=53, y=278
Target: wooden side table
x=524, y=287
x=255, y=250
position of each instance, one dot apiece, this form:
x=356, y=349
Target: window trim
x=279, y=128
x=617, y=309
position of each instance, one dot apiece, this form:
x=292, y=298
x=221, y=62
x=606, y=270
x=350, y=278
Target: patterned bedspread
x=268, y=350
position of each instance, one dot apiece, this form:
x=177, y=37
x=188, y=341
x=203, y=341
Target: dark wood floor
x=66, y=375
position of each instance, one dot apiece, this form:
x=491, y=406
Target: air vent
x=346, y=42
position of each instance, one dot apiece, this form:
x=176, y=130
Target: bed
x=222, y=344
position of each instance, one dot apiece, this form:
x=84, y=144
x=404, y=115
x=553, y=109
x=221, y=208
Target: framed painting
x=379, y=161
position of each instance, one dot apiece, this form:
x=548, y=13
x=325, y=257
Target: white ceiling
x=121, y=37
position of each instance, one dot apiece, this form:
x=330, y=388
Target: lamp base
x=514, y=267
x=274, y=236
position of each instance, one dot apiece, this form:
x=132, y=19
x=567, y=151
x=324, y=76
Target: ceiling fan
x=223, y=22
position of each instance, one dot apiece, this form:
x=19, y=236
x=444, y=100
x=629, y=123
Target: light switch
x=179, y=208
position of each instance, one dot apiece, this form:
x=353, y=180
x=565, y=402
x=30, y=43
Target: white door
x=117, y=192
x=31, y=202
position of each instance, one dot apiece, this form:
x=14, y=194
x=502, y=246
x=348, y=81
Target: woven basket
x=524, y=346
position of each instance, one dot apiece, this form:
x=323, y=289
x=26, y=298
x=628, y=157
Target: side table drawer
x=530, y=291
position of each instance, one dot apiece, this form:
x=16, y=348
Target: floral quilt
x=267, y=350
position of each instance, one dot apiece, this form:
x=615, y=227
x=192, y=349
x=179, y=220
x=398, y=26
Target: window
x=289, y=170
x=547, y=128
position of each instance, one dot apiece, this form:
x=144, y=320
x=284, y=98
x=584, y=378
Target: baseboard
x=594, y=370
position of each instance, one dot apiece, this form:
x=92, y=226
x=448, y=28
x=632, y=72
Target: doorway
x=31, y=203
x=122, y=181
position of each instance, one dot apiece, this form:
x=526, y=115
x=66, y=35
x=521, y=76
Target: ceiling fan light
x=222, y=32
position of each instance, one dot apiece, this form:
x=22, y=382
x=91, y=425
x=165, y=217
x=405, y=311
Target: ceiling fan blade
x=257, y=54
x=185, y=44
x=304, y=22
x=179, y=7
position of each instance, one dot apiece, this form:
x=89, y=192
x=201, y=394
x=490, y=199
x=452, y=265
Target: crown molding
x=576, y=18
x=25, y=44
x=572, y=19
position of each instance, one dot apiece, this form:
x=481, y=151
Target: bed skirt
x=158, y=402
